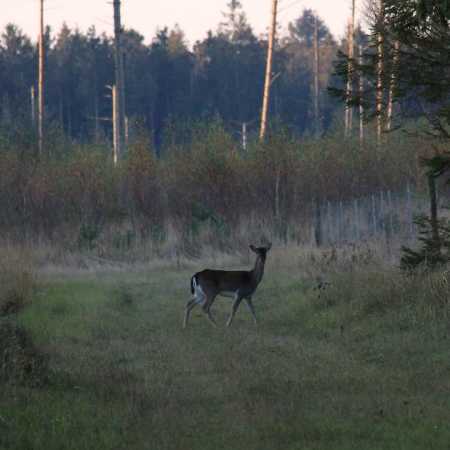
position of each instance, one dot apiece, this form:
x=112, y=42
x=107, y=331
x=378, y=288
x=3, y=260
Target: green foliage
x=432, y=253
x=124, y=240
x=438, y=165
x=89, y=233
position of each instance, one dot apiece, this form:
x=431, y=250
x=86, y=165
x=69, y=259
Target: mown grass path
x=312, y=375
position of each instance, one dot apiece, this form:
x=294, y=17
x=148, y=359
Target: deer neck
x=258, y=270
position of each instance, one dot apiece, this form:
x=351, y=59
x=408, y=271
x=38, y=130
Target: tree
x=416, y=36
x=302, y=30
x=415, y=40
x=17, y=74
x=296, y=85
x=235, y=27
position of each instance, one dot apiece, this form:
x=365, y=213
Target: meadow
x=362, y=364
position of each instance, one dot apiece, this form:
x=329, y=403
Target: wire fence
x=384, y=214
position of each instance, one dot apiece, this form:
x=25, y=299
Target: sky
x=195, y=17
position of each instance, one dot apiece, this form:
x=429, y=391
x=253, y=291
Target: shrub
x=21, y=362
x=17, y=284
x=432, y=253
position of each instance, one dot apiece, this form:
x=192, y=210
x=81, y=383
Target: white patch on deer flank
x=199, y=293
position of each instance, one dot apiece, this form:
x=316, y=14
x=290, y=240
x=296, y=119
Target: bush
x=203, y=186
x=21, y=363
x=433, y=252
x=17, y=284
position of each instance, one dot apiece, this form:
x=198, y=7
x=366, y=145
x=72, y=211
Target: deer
x=237, y=284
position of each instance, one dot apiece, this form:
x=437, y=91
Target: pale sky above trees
x=195, y=17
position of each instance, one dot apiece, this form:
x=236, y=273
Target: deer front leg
x=211, y=318
x=249, y=303
x=235, y=307
x=207, y=310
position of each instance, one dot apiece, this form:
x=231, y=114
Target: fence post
x=330, y=223
x=409, y=210
x=382, y=212
x=374, y=215
x=356, y=218
x=341, y=222
x=317, y=223
x=391, y=213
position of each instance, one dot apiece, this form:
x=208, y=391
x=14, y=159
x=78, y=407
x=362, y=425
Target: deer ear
x=252, y=248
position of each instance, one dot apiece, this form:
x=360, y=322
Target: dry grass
x=360, y=364
x=17, y=280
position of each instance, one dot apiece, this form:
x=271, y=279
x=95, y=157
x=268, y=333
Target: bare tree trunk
x=317, y=223
x=361, y=94
x=115, y=121
x=392, y=85
x=434, y=221
x=127, y=131
x=97, y=119
x=41, y=80
x=244, y=135
x=380, y=70
x=316, y=79
x=351, y=54
x=33, y=107
x=119, y=82
x=268, y=78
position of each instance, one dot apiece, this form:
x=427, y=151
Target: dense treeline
x=166, y=82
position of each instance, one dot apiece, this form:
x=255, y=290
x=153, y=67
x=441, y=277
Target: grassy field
x=364, y=366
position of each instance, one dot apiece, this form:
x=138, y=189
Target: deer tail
x=193, y=283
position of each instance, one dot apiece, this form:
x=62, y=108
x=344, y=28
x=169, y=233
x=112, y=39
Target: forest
x=166, y=83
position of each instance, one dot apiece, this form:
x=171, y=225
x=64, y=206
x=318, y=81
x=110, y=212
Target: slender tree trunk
x=392, y=85
x=41, y=79
x=97, y=119
x=33, y=107
x=116, y=125
x=268, y=78
x=351, y=54
x=317, y=223
x=433, y=213
x=127, y=131
x=380, y=70
x=244, y=135
x=119, y=82
x=317, y=124
x=361, y=99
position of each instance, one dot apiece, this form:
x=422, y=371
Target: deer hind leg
x=234, y=308
x=249, y=303
x=189, y=306
x=199, y=297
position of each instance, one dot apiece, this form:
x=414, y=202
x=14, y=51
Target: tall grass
x=17, y=280
x=361, y=364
